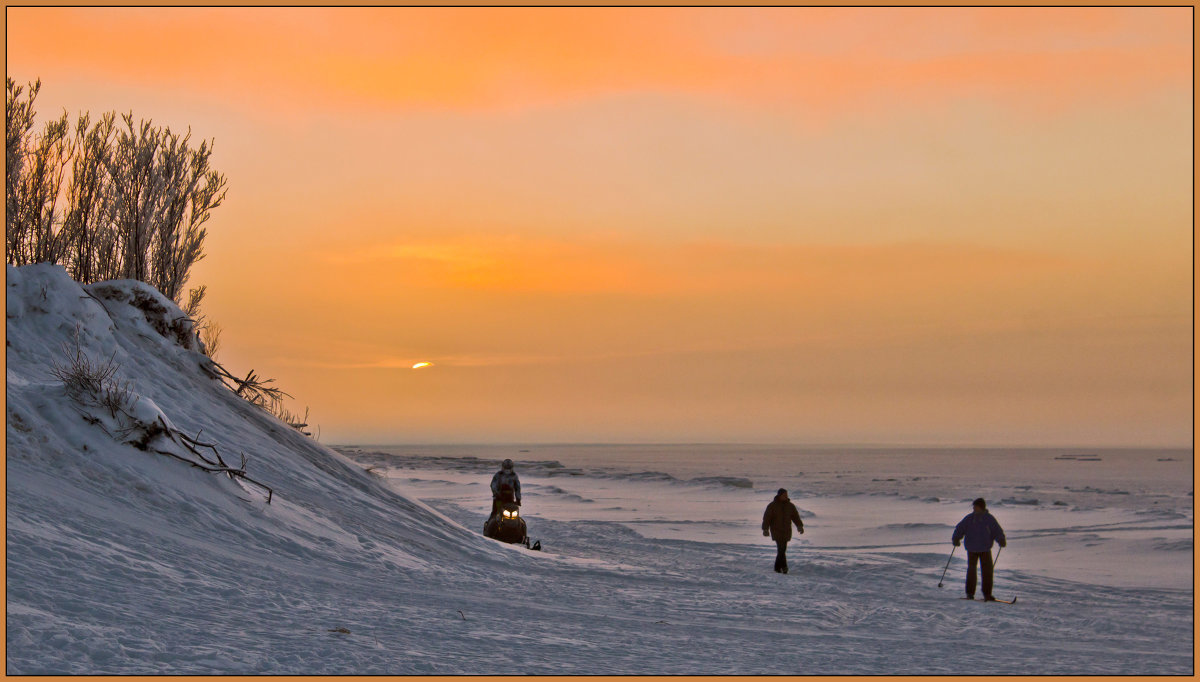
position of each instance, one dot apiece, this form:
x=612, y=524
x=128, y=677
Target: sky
x=944, y=226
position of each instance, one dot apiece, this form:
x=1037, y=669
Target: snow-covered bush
x=136, y=196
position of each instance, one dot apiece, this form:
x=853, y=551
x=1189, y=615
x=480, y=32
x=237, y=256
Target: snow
x=124, y=561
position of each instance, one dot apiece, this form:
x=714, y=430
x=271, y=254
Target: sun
x=419, y=365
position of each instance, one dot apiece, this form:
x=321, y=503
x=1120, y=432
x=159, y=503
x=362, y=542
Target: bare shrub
x=208, y=330
x=253, y=389
x=210, y=336
x=115, y=396
x=83, y=375
x=89, y=244
x=293, y=420
x=258, y=392
x=137, y=196
x=93, y=381
x=19, y=115
x=195, y=297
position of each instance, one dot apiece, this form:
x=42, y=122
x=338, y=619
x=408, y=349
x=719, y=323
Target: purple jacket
x=980, y=530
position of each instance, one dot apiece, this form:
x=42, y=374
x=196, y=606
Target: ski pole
x=998, y=550
x=947, y=565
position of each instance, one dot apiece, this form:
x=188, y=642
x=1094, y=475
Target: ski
x=1002, y=601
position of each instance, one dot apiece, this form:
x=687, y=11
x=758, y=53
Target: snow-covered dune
x=122, y=558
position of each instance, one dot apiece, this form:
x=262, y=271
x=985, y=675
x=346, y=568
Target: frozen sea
x=1100, y=553
x=1115, y=518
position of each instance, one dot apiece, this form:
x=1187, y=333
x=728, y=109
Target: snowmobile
x=508, y=526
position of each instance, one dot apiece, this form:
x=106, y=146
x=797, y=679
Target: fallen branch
x=255, y=391
x=88, y=294
x=240, y=473
x=219, y=466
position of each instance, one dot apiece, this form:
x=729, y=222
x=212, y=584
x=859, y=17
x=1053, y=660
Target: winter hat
x=782, y=491
x=979, y=503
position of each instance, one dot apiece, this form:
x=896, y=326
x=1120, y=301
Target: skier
x=980, y=529
x=777, y=523
x=505, y=486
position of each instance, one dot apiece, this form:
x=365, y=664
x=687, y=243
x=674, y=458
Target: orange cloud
x=527, y=264
x=817, y=58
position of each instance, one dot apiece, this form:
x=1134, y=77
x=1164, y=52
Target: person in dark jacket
x=777, y=523
x=979, y=529
x=505, y=486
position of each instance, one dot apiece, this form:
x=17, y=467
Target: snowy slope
x=120, y=560
x=119, y=551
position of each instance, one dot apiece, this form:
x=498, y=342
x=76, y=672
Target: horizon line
x=942, y=446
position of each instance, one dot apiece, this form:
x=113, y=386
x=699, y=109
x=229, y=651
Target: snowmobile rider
x=980, y=529
x=777, y=523
x=505, y=486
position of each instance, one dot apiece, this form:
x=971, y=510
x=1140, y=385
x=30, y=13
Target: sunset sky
x=812, y=225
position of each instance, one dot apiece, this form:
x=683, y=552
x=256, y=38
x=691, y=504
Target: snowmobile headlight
x=510, y=514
